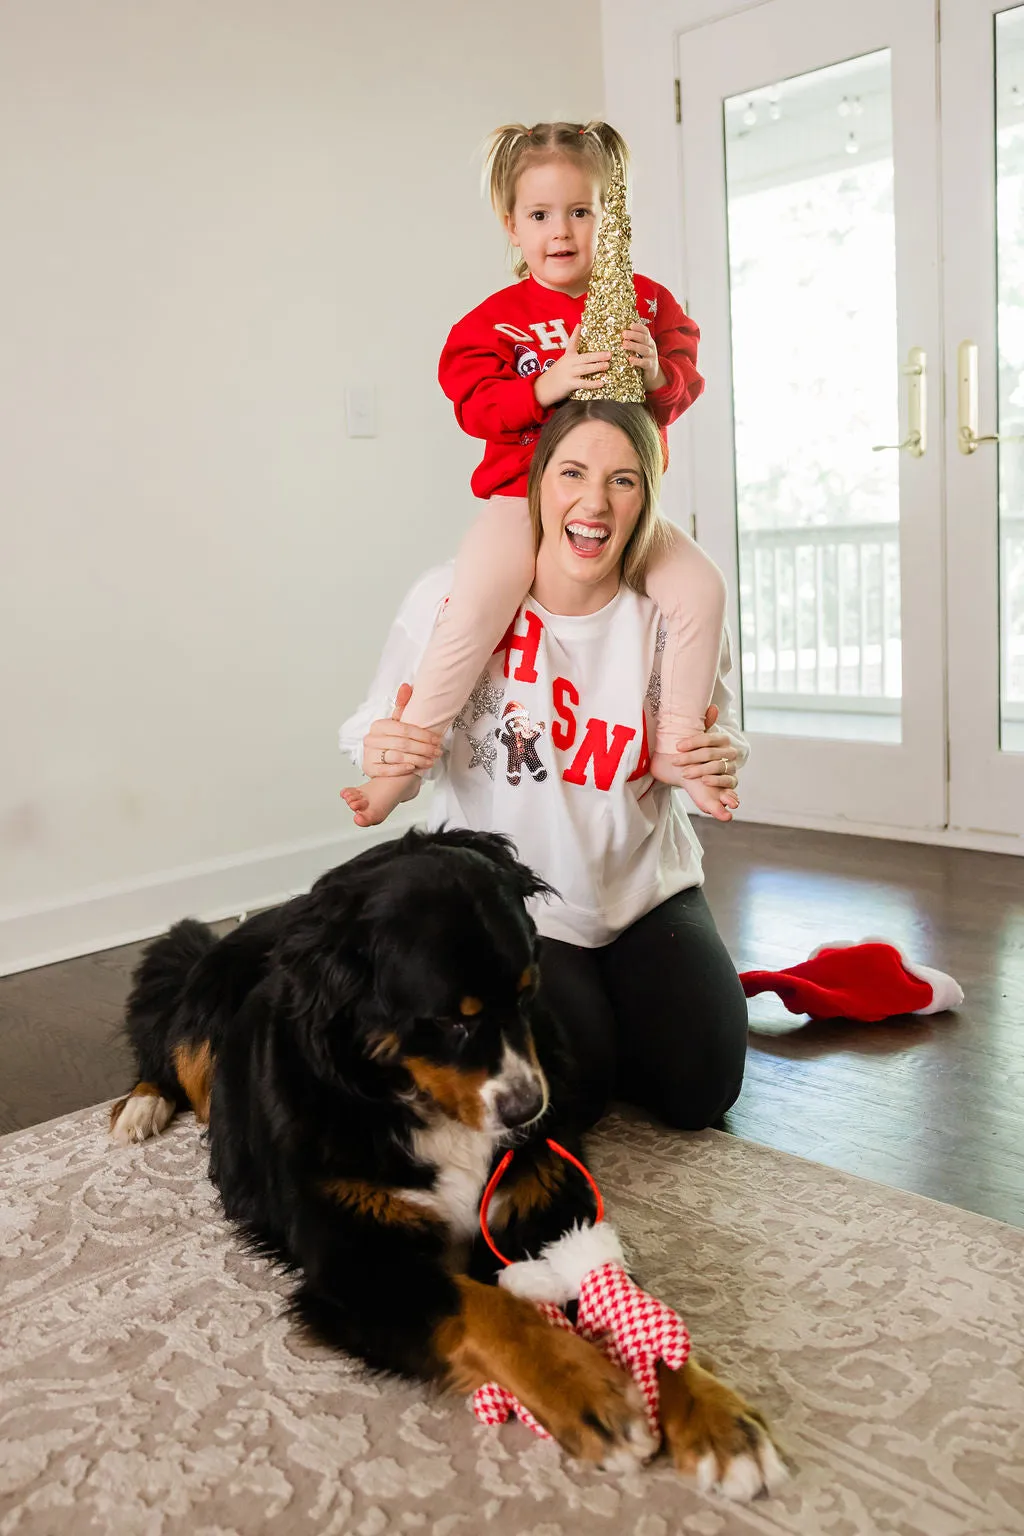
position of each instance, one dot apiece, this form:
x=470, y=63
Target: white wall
x=217, y=215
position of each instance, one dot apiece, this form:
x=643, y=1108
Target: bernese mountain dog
x=361, y=1056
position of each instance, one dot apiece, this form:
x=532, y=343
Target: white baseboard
x=941, y=837
x=121, y=913
x=106, y=916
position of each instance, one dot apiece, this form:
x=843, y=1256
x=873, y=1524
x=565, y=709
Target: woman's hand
x=574, y=370
x=643, y=354
x=710, y=757
x=391, y=748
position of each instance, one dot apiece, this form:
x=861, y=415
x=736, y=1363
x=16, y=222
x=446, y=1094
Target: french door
x=982, y=61
x=876, y=568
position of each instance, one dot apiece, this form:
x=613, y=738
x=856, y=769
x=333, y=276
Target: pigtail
x=503, y=157
x=503, y=152
x=609, y=149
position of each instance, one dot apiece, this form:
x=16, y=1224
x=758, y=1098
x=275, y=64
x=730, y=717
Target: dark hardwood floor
x=933, y=1105
x=930, y=1105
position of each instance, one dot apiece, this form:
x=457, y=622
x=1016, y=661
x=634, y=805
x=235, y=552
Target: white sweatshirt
x=552, y=749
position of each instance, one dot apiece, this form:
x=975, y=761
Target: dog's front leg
x=713, y=1435
x=591, y=1408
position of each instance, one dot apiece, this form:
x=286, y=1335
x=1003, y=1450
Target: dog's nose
x=520, y=1103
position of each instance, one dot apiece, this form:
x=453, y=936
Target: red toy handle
x=495, y=1179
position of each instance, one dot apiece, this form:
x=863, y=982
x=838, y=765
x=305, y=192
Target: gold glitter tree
x=611, y=303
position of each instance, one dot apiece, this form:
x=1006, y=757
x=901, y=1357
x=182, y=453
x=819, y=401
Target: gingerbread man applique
x=518, y=735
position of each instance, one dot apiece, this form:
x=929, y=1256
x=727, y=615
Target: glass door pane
x=1009, y=55
x=812, y=264
x=811, y=220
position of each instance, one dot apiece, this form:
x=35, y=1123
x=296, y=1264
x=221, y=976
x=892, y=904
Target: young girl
x=506, y=367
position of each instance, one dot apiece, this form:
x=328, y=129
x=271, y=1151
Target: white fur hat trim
x=556, y=1275
x=946, y=992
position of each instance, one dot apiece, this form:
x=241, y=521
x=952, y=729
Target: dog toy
x=867, y=982
x=586, y=1265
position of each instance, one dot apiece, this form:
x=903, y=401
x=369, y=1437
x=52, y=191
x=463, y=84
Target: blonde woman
x=554, y=748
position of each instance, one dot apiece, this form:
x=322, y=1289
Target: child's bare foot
x=715, y=800
x=372, y=802
x=719, y=803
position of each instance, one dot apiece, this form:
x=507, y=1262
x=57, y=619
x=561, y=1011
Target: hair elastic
x=498, y=1174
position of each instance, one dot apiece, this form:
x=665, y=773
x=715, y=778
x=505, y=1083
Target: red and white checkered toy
x=633, y=1329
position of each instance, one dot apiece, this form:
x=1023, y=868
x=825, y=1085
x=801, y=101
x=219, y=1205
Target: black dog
x=362, y=1055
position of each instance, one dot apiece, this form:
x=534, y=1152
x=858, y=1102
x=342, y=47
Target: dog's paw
x=714, y=1436
x=138, y=1117
x=594, y=1410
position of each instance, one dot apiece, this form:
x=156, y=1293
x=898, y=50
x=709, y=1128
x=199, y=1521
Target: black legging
x=657, y=1017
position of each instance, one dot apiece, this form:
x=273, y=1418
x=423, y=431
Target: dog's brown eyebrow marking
x=469, y=1007
x=376, y=1203
x=528, y=978
x=457, y=1093
x=194, y=1066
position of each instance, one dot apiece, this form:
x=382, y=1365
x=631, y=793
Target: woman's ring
x=725, y=765
x=383, y=756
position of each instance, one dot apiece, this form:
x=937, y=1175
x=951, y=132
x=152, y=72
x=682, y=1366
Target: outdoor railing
x=821, y=617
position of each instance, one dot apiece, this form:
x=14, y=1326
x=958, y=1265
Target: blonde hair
x=651, y=532
x=596, y=146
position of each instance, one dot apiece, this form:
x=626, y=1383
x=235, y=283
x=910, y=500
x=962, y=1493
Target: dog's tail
x=158, y=987
x=173, y=1068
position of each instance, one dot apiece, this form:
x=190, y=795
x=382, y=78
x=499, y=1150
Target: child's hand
x=574, y=370
x=643, y=354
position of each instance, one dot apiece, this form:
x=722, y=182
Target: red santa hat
x=514, y=711
x=869, y=981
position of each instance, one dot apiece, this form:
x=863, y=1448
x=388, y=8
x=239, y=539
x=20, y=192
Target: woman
x=553, y=748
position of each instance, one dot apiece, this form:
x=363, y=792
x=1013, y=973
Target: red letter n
x=606, y=758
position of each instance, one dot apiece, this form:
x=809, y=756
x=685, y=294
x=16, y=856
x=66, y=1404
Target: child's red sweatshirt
x=494, y=354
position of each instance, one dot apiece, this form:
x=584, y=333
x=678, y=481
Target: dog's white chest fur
x=462, y=1158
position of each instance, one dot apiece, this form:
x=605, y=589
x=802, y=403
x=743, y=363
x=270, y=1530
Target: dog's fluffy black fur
x=363, y=1055
x=367, y=1051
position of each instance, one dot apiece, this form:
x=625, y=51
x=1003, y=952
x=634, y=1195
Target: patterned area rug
x=149, y=1384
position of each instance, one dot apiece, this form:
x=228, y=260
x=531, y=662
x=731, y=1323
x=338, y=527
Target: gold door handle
x=916, y=440
x=968, y=439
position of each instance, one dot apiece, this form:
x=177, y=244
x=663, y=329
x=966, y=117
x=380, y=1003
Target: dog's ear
x=500, y=850
x=320, y=951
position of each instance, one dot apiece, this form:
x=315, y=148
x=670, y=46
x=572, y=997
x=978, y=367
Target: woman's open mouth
x=587, y=539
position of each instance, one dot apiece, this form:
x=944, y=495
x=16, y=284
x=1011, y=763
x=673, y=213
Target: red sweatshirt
x=495, y=353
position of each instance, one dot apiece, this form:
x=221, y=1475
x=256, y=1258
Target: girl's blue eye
x=574, y=473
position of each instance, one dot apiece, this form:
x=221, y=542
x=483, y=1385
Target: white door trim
x=986, y=785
